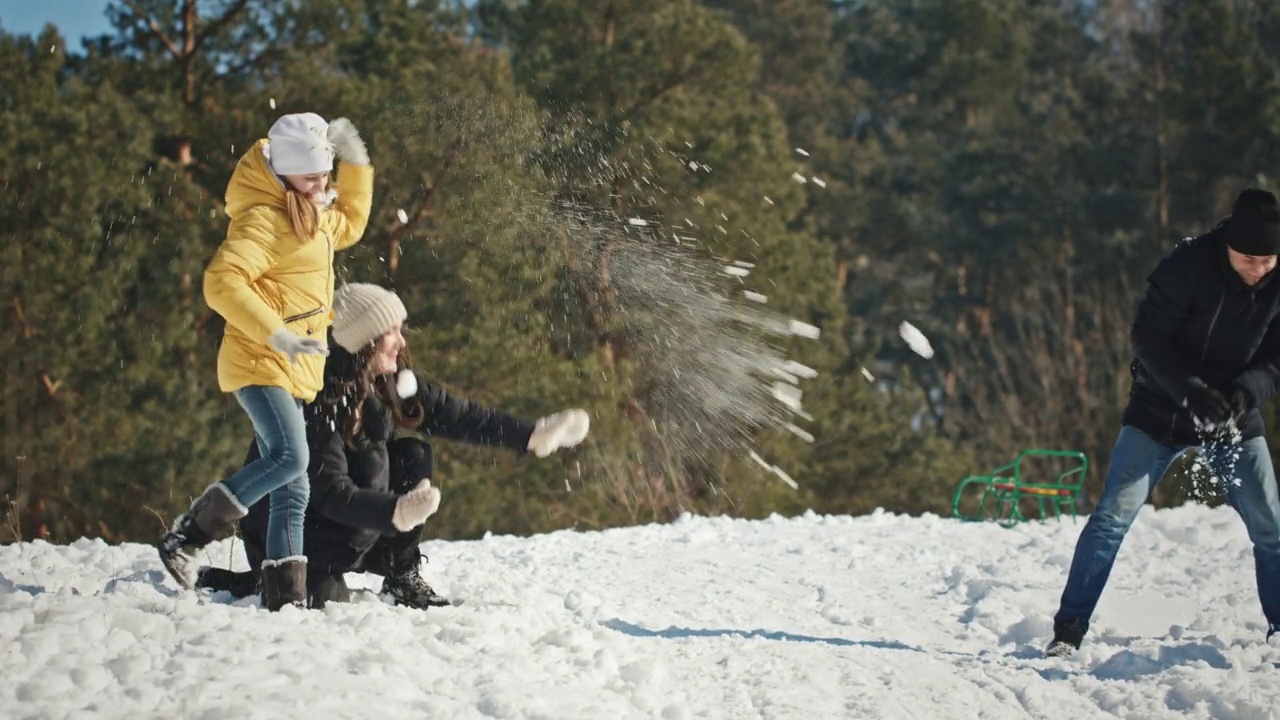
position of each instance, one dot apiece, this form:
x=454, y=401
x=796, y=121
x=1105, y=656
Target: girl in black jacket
x=371, y=492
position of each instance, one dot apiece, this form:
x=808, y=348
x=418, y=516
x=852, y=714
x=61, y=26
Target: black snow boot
x=284, y=582
x=410, y=590
x=397, y=559
x=1068, y=633
x=210, y=514
x=239, y=584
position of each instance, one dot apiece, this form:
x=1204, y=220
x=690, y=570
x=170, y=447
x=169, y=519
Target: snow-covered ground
x=880, y=616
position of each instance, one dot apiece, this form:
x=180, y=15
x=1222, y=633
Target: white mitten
x=563, y=429
x=291, y=345
x=414, y=507
x=347, y=143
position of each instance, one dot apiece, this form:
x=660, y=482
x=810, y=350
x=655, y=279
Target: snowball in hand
x=915, y=339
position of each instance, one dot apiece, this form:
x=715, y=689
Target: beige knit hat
x=363, y=313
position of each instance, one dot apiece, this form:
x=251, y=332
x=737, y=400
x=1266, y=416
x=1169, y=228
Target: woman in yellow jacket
x=272, y=280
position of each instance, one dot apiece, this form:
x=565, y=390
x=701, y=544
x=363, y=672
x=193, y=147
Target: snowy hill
x=880, y=616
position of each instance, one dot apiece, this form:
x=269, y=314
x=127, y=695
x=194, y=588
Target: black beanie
x=1254, y=228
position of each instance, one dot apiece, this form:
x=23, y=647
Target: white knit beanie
x=363, y=313
x=298, y=144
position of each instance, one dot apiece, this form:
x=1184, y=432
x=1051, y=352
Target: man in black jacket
x=1207, y=341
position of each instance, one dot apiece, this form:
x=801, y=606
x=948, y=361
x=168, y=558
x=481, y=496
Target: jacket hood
x=253, y=183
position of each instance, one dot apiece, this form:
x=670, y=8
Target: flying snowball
x=915, y=339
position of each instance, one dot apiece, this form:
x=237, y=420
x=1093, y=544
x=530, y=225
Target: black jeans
x=391, y=555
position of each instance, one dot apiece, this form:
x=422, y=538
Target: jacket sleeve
x=1163, y=309
x=334, y=495
x=1262, y=378
x=249, y=251
x=354, y=203
x=455, y=418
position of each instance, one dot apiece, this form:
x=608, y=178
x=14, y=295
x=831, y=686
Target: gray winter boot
x=284, y=582
x=211, y=513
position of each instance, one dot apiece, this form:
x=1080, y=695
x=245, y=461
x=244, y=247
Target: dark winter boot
x=1068, y=633
x=410, y=590
x=284, y=582
x=397, y=558
x=403, y=584
x=326, y=589
x=239, y=584
x=211, y=513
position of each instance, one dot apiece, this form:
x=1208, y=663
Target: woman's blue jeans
x=1137, y=464
x=281, y=471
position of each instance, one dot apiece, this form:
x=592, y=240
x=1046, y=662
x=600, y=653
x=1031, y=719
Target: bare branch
x=214, y=27
x=22, y=317
x=424, y=206
x=155, y=29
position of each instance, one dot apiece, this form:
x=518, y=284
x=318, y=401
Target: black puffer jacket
x=351, y=501
x=1199, y=319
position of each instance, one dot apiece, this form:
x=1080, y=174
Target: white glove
x=564, y=429
x=414, y=507
x=347, y=143
x=291, y=345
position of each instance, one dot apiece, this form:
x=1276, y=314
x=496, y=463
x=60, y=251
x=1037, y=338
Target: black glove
x=1206, y=404
x=1241, y=403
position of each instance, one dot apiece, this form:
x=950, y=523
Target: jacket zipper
x=328, y=278
x=1204, y=351
x=305, y=315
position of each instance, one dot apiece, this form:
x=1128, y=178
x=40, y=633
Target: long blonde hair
x=304, y=216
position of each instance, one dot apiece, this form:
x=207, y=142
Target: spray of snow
x=682, y=329
x=1213, y=466
x=710, y=372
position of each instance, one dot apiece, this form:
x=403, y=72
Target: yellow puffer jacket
x=264, y=277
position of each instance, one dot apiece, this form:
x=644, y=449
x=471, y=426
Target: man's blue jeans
x=1137, y=464
x=281, y=472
